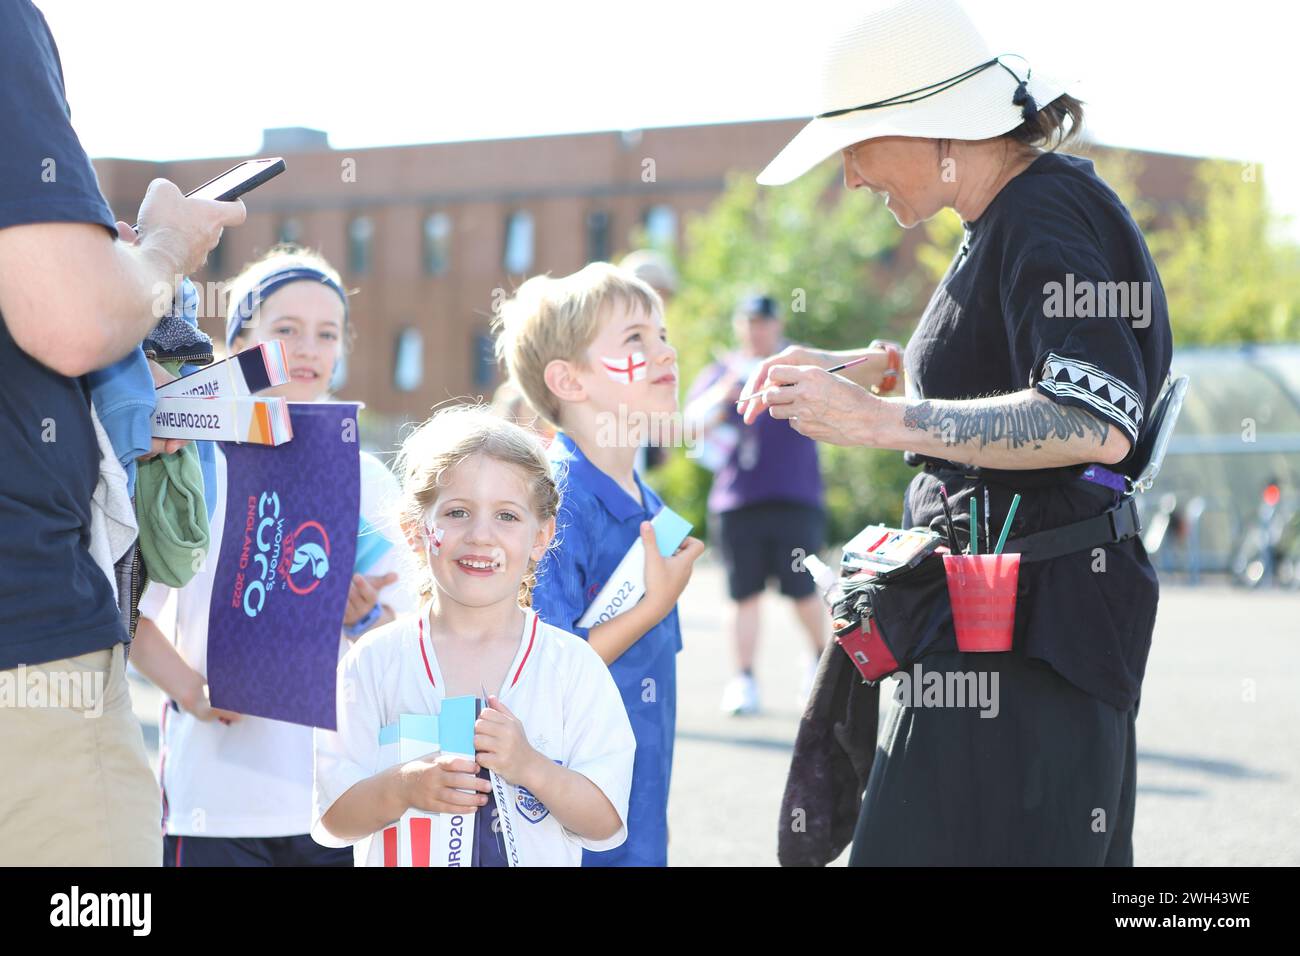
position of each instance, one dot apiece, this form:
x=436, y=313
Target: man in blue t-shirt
x=77, y=293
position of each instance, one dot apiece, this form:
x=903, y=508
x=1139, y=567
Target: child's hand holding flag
x=501, y=744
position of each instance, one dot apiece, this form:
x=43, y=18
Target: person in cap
x=765, y=504
x=1030, y=372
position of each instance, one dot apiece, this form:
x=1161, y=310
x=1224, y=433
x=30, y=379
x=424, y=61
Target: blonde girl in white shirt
x=478, y=509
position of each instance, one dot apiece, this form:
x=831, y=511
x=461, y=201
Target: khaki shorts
x=76, y=788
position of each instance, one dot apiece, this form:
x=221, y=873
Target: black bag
x=833, y=753
x=886, y=623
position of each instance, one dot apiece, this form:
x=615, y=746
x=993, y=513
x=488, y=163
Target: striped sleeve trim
x=1108, y=396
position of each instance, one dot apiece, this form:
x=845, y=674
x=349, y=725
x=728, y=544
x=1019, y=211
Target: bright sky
x=168, y=79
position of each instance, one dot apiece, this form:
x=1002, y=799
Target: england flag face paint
x=433, y=536
x=628, y=369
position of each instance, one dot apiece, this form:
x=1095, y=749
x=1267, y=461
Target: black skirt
x=1048, y=778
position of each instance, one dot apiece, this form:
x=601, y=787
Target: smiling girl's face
x=488, y=532
x=308, y=317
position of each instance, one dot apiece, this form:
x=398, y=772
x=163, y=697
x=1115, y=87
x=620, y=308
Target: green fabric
x=171, y=512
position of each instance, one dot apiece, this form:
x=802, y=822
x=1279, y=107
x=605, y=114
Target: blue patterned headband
x=277, y=280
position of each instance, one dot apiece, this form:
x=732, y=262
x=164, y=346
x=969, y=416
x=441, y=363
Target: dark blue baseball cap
x=758, y=304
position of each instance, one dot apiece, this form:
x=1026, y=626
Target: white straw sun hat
x=912, y=68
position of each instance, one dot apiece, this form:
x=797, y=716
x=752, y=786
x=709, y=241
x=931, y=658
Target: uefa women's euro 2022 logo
x=271, y=555
x=308, y=557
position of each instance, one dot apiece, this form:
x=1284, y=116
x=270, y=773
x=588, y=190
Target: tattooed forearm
x=1025, y=423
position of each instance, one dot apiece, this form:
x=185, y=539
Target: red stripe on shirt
x=531, y=638
x=421, y=840
x=427, y=669
x=162, y=766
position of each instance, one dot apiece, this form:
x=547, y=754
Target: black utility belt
x=947, y=602
x=1116, y=524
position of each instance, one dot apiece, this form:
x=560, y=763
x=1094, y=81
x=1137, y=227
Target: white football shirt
x=557, y=686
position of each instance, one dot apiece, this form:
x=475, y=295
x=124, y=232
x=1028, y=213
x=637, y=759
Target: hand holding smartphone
x=236, y=181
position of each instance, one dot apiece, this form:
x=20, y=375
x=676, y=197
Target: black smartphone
x=236, y=181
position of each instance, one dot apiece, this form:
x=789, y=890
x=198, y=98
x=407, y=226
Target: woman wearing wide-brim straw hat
x=1018, y=378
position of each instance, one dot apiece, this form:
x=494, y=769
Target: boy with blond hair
x=590, y=353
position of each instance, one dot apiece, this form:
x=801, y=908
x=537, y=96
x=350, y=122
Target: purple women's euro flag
x=289, y=539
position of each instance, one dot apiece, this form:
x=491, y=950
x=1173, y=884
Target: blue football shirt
x=597, y=523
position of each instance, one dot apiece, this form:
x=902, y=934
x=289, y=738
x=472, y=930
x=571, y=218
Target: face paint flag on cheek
x=433, y=539
x=628, y=369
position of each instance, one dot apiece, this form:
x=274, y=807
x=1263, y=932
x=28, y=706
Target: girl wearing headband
x=237, y=790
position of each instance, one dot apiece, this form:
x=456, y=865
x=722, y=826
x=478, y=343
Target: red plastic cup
x=982, y=588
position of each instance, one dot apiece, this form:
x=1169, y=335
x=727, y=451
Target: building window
x=597, y=236
x=361, y=234
x=408, y=366
x=290, y=230
x=661, y=228
x=518, y=257
x=437, y=243
x=484, y=360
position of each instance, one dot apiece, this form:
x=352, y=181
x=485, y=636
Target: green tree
x=1228, y=276
x=820, y=250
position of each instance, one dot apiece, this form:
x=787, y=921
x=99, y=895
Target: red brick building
x=427, y=233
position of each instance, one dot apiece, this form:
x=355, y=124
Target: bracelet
x=893, y=366
x=365, y=622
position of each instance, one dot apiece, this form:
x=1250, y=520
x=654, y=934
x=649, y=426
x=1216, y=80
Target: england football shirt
x=597, y=523
x=557, y=686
